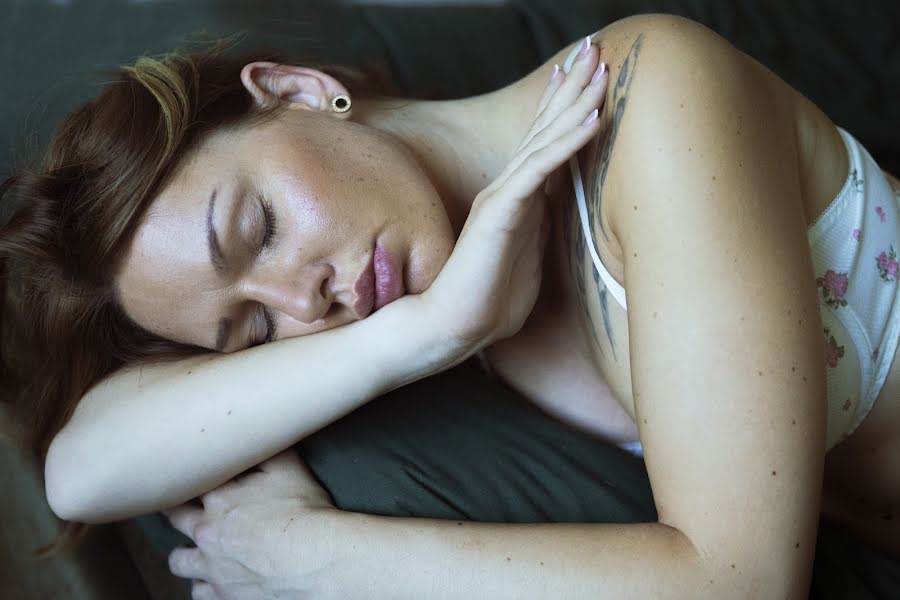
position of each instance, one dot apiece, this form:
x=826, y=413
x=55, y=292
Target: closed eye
x=270, y=228
x=268, y=239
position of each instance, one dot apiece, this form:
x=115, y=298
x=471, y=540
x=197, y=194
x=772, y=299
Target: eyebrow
x=218, y=261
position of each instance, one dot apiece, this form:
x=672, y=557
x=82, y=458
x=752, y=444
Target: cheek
x=305, y=205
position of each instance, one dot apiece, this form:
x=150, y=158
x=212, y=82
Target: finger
x=200, y=590
x=578, y=76
x=593, y=97
x=184, y=518
x=188, y=563
x=533, y=171
x=557, y=77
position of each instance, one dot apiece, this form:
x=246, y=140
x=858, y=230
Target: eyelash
x=268, y=236
x=270, y=223
x=270, y=325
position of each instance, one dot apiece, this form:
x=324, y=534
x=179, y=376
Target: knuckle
x=176, y=520
x=538, y=139
x=537, y=159
x=173, y=562
x=532, y=160
x=204, y=591
x=204, y=535
x=177, y=561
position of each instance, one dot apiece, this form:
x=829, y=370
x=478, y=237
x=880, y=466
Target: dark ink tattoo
x=617, y=99
x=604, y=308
x=575, y=240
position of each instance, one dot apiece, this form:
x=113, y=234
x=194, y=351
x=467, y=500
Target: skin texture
x=579, y=257
x=330, y=206
x=744, y=408
x=286, y=390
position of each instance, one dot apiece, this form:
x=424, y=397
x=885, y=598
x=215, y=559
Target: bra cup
x=844, y=373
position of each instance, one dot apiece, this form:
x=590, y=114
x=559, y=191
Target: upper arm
x=727, y=359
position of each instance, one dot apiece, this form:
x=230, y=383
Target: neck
x=458, y=146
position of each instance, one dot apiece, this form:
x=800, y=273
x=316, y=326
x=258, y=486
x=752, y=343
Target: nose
x=304, y=295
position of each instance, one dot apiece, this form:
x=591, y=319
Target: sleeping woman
x=651, y=236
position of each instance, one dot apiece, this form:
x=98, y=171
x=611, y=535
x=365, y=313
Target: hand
x=262, y=535
x=491, y=281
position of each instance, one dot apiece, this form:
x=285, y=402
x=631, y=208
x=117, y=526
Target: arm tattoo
x=616, y=102
x=608, y=137
x=577, y=251
x=604, y=308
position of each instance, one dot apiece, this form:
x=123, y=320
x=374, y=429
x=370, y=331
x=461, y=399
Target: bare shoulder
x=677, y=86
x=670, y=71
x=663, y=38
x=696, y=170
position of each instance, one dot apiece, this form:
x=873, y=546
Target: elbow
x=729, y=570
x=760, y=580
x=58, y=491
x=64, y=485
x=773, y=586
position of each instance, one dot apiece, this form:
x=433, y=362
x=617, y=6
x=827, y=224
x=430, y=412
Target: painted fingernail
x=599, y=73
x=555, y=73
x=585, y=44
x=591, y=117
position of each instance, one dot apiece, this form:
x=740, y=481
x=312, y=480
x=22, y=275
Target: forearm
x=153, y=438
x=419, y=558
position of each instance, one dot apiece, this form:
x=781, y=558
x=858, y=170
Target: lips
x=380, y=283
x=388, y=277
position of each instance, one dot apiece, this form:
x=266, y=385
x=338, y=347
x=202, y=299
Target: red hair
x=62, y=328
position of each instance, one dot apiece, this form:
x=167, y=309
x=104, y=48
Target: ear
x=296, y=87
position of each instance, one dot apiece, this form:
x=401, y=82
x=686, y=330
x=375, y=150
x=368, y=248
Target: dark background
x=843, y=55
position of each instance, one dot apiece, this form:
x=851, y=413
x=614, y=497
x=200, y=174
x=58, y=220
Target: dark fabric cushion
x=460, y=445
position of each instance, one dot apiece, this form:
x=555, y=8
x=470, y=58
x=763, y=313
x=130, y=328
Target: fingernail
x=598, y=73
x=555, y=73
x=584, y=46
x=591, y=117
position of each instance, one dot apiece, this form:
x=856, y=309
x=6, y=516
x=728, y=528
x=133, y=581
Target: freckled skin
x=330, y=207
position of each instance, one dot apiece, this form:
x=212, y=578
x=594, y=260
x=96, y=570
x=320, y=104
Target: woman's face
x=283, y=229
